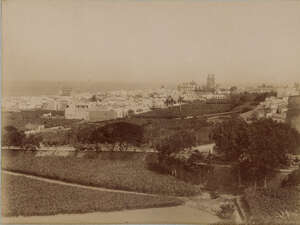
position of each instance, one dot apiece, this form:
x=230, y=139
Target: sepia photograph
x=150, y=112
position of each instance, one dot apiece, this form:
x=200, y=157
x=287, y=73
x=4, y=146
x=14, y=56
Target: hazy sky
x=151, y=41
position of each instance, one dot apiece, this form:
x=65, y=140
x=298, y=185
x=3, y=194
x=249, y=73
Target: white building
x=90, y=111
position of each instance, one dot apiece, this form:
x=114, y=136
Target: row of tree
x=120, y=135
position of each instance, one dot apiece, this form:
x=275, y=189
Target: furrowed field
x=189, y=109
x=129, y=173
x=23, y=196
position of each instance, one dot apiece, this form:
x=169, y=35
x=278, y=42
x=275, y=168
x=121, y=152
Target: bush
x=266, y=204
x=214, y=194
x=226, y=210
x=292, y=180
x=196, y=157
x=246, y=109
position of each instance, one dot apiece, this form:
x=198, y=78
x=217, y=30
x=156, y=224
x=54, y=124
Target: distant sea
x=38, y=88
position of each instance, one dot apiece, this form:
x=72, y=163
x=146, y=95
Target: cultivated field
x=189, y=109
x=128, y=174
x=23, y=196
x=22, y=119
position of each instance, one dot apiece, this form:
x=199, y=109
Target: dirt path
x=174, y=215
x=54, y=181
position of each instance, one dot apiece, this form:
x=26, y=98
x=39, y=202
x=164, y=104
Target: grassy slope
x=26, y=197
x=129, y=174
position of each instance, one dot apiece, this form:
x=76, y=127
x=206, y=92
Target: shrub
x=214, y=194
x=226, y=210
x=293, y=179
x=196, y=157
x=267, y=204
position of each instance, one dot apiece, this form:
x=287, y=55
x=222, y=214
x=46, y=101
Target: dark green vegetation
x=129, y=173
x=124, y=132
x=293, y=179
x=11, y=136
x=121, y=134
x=176, y=143
x=272, y=204
x=255, y=149
x=168, y=149
x=260, y=223
x=130, y=131
x=27, y=197
x=155, y=130
x=248, y=100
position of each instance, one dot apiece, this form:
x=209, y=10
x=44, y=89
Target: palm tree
x=169, y=101
x=180, y=100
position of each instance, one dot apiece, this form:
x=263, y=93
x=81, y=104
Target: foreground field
x=26, y=197
x=127, y=174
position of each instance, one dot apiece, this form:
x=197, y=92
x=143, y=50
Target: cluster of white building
x=107, y=105
x=95, y=106
x=120, y=103
x=274, y=108
x=34, y=102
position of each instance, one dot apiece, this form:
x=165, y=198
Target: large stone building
x=210, y=83
x=89, y=112
x=187, y=86
x=65, y=91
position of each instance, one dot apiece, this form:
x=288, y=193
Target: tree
x=12, y=136
x=131, y=112
x=169, y=146
x=180, y=100
x=32, y=142
x=96, y=136
x=256, y=149
x=233, y=90
x=293, y=179
x=177, y=142
x=231, y=138
x=123, y=134
x=169, y=101
x=94, y=98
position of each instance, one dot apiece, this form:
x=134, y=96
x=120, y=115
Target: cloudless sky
x=151, y=41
